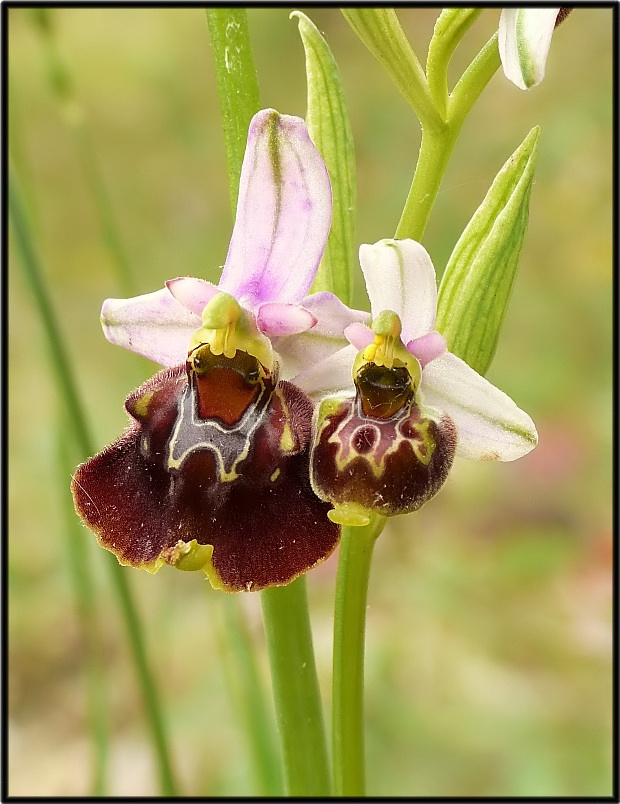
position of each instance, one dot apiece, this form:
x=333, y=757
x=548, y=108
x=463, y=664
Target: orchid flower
x=283, y=219
x=524, y=39
x=408, y=405
x=212, y=472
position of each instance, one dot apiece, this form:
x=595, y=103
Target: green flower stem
x=438, y=142
x=450, y=27
x=247, y=691
x=296, y=690
x=285, y=609
x=473, y=81
x=356, y=548
x=435, y=151
x=81, y=433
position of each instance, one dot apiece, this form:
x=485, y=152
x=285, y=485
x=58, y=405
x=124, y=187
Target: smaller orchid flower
x=524, y=39
x=408, y=405
x=212, y=471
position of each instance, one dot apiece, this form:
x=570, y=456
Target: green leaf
x=476, y=286
x=380, y=30
x=237, y=85
x=329, y=127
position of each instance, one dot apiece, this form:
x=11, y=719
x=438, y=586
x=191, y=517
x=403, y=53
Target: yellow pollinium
x=226, y=327
x=387, y=348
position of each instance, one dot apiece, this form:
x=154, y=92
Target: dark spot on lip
x=364, y=439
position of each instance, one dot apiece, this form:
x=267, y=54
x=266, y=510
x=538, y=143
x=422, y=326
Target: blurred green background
x=489, y=625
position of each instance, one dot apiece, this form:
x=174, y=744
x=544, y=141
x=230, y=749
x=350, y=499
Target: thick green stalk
x=356, y=548
x=81, y=434
x=296, y=690
x=285, y=609
x=435, y=151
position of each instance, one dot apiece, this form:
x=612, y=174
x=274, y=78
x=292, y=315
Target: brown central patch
x=224, y=394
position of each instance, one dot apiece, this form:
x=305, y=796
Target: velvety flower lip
x=524, y=39
x=226, y=494
x=281, y=228
x=400, y=277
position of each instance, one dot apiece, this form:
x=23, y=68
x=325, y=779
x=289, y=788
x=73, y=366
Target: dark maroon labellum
x=215, y=454
x=379, y=452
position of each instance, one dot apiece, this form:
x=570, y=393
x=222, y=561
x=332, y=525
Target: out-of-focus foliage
x=488, y=662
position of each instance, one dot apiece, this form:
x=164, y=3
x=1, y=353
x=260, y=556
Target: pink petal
x=359, y=335
x=428, y=347
x=283, y=214
x=275, y=318
x=154, y=325
x=194, y=294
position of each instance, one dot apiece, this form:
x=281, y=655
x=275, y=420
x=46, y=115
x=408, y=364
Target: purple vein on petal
x=283, y=214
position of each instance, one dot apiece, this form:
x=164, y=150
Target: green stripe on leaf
x=329, y=127
x=477, y=284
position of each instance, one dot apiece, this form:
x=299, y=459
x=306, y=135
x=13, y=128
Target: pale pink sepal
x=192, y=293
x=331, y=376
x=310, y=348
x=359, y=335
x=400, y=277
x=154, y=325
x=276, y=318
x=428, y=347
x=283, y=214
x=490, y=426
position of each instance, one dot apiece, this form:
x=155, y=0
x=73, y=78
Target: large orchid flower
x=524, y=39
x=283, y=219
x=212, y=471
x=404, y=406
